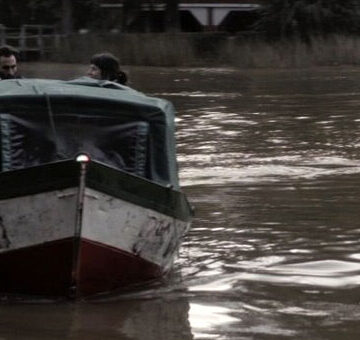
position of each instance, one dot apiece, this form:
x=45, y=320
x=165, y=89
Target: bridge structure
x=210, y=15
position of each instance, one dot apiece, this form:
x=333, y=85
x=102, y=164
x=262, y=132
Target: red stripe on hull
x=46, y=270
x=40, y=270
x=103, y=269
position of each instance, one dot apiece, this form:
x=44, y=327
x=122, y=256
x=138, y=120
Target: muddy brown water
x=271, y=161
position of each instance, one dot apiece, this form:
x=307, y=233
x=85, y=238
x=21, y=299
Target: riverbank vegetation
x=331, y=50
x=213, y=50
x=286, y=33
x=305, y=19
x=296, y=33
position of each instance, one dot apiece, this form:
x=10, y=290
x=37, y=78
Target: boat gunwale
x=118, y=183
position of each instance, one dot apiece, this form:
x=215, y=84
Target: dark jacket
x=4, y=77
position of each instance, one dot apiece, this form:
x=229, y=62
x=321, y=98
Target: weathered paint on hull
x=45, y=249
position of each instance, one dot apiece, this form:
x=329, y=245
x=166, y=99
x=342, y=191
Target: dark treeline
x=71, y=15
x=284, y=19
x=277, y=19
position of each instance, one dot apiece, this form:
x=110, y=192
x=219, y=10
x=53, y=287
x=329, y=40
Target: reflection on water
x=271, y=161
x=205, y=318
x=125, y=320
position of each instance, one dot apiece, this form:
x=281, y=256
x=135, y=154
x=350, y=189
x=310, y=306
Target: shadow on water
x=271, y=161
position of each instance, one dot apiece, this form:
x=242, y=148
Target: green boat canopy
x=42, y=121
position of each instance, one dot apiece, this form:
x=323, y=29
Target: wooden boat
x=89, y=193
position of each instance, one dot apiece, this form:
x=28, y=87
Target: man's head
x=8, y=62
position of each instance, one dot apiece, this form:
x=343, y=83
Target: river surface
x=270, y=159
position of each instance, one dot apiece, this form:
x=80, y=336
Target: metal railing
x=30, y=38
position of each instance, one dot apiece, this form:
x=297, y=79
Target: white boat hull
x=81, y=241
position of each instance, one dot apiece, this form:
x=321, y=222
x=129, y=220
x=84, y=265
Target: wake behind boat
x=89, y=198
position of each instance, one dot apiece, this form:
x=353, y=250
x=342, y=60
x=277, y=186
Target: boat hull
x=47, y=270
x=39, y=270
x=70, y=229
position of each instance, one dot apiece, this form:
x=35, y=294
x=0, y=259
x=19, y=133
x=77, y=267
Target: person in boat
x=8, y=62
x=106, y=66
